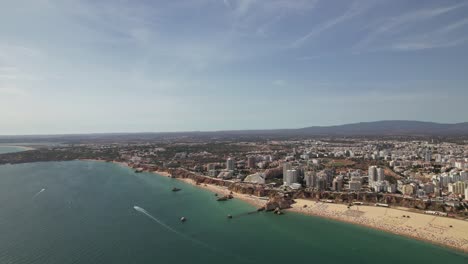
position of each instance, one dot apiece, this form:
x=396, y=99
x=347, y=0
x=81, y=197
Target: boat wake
x=39, y=192
x=143, y=211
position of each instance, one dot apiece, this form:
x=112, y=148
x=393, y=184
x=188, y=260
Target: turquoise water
x=9, y=149
x=86, y=214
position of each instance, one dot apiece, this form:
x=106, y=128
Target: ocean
x=10, y=149
x=96, y=212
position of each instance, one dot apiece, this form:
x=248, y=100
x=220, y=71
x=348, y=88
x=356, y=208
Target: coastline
x=436, y=230
x=24, y=148
x=428, y=228
x=250, y=199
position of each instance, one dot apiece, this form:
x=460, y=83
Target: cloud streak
x=357, y=8
x=407, y=22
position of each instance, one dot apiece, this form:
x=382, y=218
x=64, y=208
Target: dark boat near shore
x=176, y=189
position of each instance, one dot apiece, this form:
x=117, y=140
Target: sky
x=86, y=66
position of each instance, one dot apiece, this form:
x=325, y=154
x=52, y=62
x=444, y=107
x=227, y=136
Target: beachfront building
x=380, y=174
x=226, y=174
x=321, y=183
x=355, y=185
x=210, y=166
x=310, y=178
x=212, y=173
x=372, y=173
x=391, y=188
x=230, y=164
x=258, y=178
x=457, y=188
x=407, y=189
x=286, y=166
x=291, y=177
x=251, y=162
x=337, y=184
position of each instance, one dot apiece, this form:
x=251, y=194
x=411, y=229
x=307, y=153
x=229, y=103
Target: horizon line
x=226, y=130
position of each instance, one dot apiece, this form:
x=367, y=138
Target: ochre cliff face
x=278, y=200
x=238, y=187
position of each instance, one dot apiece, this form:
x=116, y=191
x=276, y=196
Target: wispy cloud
x=357, y=8
x=392, y=27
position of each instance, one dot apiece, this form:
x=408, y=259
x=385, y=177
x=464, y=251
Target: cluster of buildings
x=417, y=169
x=413, y=169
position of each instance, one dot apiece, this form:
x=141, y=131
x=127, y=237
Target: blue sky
x=129, y=66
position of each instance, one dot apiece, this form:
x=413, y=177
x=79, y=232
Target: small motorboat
x=229, y=216
x=183, y=219
x=176, y=189
x=224, y=198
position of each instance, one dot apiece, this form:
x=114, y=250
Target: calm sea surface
x=84, y=212
x=9, y=149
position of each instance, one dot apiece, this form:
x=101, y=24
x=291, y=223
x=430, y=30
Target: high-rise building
x=310, y=178
x=337, y=184
x=457, y=188
x=355, y=185
x=210, y=166
x=251, y=162
x=428, y=155
x=230, y=164
x=380, y=174
x=372, y=174
x=291, y=177
x=286, y=166
x=321, y=184
x=464, y=176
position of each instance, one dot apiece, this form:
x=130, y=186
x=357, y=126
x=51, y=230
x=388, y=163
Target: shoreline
x=421, y=227
x=250, y=199
x=24, y=148
x=431, y=229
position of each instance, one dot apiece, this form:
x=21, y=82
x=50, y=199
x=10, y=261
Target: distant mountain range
x=390, y=127
x=377, y=128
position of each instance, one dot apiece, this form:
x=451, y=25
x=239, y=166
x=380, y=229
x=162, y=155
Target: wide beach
x=438, y=230
x=443, y=231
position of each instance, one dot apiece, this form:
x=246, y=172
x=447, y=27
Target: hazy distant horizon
x=85, y=66
x=221, y=130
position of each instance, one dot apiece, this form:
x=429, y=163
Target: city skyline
x=85, y=67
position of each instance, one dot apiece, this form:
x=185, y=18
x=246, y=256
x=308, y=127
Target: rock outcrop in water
x=279, y=201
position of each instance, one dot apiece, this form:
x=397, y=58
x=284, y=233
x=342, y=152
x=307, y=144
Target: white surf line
x=39, y=192
x=143, y=211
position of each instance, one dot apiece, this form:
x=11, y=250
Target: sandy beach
x=221, y=191
x=162, y=173
x=21, y=147
x=439, y=230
